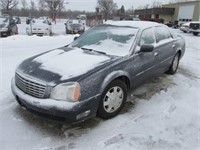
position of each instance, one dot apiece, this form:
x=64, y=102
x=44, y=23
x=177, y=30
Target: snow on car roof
x=135, y=24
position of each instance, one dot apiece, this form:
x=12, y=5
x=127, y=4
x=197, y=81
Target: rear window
x=162, y=33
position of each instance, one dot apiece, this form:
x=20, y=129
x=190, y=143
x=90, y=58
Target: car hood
x=63, y=64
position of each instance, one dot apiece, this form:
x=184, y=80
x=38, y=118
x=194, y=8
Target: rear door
x=165, y=47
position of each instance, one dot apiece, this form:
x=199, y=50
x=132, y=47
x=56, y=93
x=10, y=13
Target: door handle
x=173, y=46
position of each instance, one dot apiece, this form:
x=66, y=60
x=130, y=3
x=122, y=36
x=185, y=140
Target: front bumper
x=58, y=110
x=3, y=33
x=38, y=32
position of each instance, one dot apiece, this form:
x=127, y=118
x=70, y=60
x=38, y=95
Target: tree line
x=56, y=8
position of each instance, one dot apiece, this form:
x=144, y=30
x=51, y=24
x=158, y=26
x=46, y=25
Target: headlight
x=66, y=92
x=4, y=29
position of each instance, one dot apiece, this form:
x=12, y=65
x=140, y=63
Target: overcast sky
x=89, y=5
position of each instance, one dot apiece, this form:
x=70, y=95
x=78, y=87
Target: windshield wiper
x=92, y=50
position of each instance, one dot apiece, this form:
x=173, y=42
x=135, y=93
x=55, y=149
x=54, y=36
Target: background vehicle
x=74, y=26
x=185, y=27
x=29, y=19
x=39, y=27
x=83, y=18
x=131, y=18
x=7, y=26
x=195, y=28
x=93, y=74
x=17, y=19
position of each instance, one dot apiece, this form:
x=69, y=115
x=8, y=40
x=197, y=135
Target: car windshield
x=3, y=20
x=112, y=40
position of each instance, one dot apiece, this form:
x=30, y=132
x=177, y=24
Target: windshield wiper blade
x=92, y=50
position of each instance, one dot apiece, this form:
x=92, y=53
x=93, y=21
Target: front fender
x=112, y=76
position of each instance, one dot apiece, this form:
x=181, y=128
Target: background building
x=185, y=11
x=175, y=13
x=161, y=15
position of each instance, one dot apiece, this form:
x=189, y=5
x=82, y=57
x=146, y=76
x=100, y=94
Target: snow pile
x=71, y=63
x=163, y=114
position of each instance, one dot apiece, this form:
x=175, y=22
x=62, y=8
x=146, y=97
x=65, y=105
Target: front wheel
x=175, y=63
x=112, y=99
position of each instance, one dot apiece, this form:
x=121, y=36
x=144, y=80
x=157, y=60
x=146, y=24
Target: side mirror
x=76, y=37
x=146, y=48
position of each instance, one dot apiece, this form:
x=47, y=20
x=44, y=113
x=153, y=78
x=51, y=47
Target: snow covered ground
x=162, y=114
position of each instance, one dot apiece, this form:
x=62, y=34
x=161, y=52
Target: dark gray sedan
x=91, y=76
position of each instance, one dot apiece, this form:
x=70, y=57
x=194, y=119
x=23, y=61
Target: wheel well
x=125, y=80
x=179, y=52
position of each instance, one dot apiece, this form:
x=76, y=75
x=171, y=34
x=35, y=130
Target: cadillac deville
x=92, y=75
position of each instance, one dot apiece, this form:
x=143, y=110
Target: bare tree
x=42, y=5
x=8, y=4
x=106, y=7
x=54, y=6
x=33, y=6
x=24, y=5
x=156, y=4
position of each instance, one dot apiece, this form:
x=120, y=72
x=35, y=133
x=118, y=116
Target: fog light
x=82, y=115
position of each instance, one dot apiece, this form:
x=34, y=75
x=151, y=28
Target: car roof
x=135, y=24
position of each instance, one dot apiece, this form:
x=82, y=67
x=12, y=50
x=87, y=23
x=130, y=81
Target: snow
x=162, y=114
x=111, y=40
x=134, y=24
x=70, y=64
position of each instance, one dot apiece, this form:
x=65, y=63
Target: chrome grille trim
x=29, y=86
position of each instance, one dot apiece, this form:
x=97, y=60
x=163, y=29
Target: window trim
x=142, y=33
x=170, y=35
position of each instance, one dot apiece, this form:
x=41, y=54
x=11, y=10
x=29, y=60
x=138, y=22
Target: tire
x=195, y=33
x=112, y=99
x=175, y=63
x=50, y=33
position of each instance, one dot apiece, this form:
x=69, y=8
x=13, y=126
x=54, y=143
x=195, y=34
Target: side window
x=147, y=37
x=162, y=33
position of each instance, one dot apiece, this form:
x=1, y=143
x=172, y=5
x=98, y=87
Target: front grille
x=30, y=87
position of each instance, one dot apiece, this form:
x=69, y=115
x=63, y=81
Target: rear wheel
x=175, y=63
x=112, y=99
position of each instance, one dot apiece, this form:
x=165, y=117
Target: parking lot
x=160, y=114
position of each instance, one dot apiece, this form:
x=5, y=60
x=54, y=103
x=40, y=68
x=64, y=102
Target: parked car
x=7, y=27
x=92, y=75
x=82, y=18
x=39, y=27
x=74, y=27
x=185, y=27
x=195, y=28
x=131, y=18
x=29, y=19
x=17, y=19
